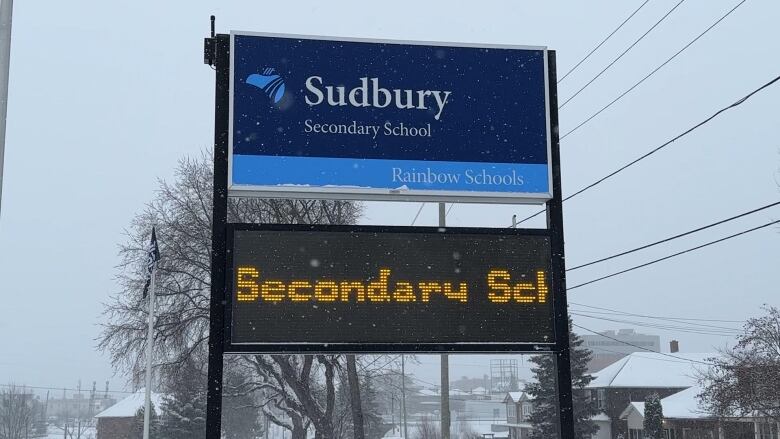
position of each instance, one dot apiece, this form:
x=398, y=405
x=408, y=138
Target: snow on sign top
x=650, y=369
x=128, y=407
x=315, y=117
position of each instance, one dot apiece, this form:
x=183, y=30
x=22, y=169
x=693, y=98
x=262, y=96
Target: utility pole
x=6, y=13
x=403, y=393
x=445, y=362
x=354, y=398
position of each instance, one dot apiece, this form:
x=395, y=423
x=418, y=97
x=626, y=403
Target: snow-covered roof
x=638, y=407
x=128, y=407
x=684, y=405
x=681, y=405
x=601, y=417
x=517, y=397
x=480, y=390
x=514, y=396
x=651, y=369
x=427, y=392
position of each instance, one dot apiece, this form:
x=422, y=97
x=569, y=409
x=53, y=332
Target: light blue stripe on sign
x=389, y=174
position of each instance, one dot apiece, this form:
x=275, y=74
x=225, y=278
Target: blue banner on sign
x=381, y=116
x=391, y=174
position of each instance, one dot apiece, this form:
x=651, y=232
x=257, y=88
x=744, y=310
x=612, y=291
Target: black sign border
x=244, y=348
x=217, y=55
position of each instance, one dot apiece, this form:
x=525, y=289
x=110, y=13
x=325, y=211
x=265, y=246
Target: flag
x=153, y=255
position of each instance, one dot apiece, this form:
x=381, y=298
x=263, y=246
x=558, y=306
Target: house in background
x=119, y=420
x=518, y=410
x=637, y=376
x=683, y=419
x=519, y=406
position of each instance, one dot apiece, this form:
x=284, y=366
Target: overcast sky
x=105, y=97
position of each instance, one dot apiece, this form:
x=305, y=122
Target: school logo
x=271, y=83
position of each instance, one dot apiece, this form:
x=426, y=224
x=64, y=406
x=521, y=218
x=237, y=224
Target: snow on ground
x=55, y=432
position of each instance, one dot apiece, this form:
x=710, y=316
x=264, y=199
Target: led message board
x=315, y=117
x=389, y=286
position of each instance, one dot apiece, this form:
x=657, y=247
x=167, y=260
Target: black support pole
x=218, y=239
x=555, y=224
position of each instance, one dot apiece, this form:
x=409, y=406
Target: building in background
x=635, y=377
x=119, y=421
x=520, y=405
x=78, y=406
x=610, y=346
x=504, y=376
x=683, y=418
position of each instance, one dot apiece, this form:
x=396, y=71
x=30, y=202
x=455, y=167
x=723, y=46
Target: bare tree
x=181, y=212
x=79, y=429
x=745, y=380
x=299, y=388
x=18, y=412
x=427, y=428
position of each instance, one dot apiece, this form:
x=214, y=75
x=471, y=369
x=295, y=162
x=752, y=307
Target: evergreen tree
x=184, y=418
x=654, y=417
x=184, y=404
x=545, y=416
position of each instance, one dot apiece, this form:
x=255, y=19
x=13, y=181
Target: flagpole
x=6, y=13
x=149, y=342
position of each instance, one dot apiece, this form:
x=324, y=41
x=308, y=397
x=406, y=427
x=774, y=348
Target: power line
x=599, y=348
x=664, y=145
x=63, y=388
x=622, y=54
x=418, y=213
x=650, y=316
x=603, y=41
x=665, y=319
x=671, y=238
x=652, y=72
x=642, y=347
x=673, y=255
x=676, y=329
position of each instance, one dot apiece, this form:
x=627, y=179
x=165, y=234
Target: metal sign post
x=220, y=45
x=560, y=303
x=226, y=275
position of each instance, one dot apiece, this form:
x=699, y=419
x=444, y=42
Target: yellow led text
x=501, y=289
x=250, y=288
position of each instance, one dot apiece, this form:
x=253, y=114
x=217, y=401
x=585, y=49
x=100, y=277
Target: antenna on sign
x=210, y=45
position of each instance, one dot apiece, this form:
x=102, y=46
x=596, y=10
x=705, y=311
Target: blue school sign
x=326, y=118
